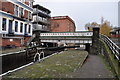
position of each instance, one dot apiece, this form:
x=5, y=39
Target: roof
x=115, y=29
x=62, y=17
x=41, y=8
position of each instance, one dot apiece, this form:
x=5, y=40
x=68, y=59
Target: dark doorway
x=87, y=47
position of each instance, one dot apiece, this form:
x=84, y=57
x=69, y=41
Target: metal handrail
x=33, y=36
x=114, y=48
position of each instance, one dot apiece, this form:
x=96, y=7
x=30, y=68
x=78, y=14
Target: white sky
x=83, y=11
x=76, y=0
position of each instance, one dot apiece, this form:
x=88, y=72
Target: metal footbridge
x=81, y=37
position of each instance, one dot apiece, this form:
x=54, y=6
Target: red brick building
x=15, y=22
x=62, y=24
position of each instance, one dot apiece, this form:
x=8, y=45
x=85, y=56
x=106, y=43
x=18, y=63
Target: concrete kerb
x=80, y=65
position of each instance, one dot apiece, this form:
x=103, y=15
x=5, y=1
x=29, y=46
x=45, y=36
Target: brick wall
x=26, y=39
x=16, y=41
x=26, y=14
x=27, y=2
x=62, y=25
x=6, y=42
x=7, y=7
x=10, y=8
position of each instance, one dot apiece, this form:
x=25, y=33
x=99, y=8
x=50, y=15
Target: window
x=25, y=28
x=16, y=26
x=21, y=12
x=30, y=3
x=21, y=27
x=10, y=27
x=29, y=15
x=29, y=30
x=4, y=24
x=16, y=10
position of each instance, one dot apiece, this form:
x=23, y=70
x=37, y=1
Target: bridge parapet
x=82, y=33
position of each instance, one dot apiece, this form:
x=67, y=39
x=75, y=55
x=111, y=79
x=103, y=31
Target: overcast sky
x=83, y=11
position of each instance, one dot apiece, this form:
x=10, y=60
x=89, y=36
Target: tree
x=105, y=27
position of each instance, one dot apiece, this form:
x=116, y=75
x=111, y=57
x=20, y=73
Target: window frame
x=4, y=25
x=30, y=3
x=21, y=11
x=16, y=12
x=21, y=27
x=16, y=26
x=29, y=29
x=29, y=15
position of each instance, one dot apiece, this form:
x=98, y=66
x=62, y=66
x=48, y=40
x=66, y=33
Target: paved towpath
x=94, y=67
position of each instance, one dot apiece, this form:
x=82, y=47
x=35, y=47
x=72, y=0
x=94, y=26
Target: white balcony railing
x=40, y=27
x=37, y=10
x=37, y=19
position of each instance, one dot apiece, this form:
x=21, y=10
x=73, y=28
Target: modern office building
x=15, y=22
x=62, y=24
x=41, y=19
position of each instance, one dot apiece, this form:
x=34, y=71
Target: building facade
x=115, y=35
x=115, y=32
x=119, y=13
x=41, y=18
x=62, y=24
x=15, y=22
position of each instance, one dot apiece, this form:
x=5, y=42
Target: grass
x=57, y=66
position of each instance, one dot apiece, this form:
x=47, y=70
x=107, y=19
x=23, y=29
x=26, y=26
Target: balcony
x=39, y=19
x=39, y=28
x=41, y=13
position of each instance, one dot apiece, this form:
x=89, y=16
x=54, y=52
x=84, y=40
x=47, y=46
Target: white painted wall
x=16, y=33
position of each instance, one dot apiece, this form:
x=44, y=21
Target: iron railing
x=113, y=47
x=30, y=40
